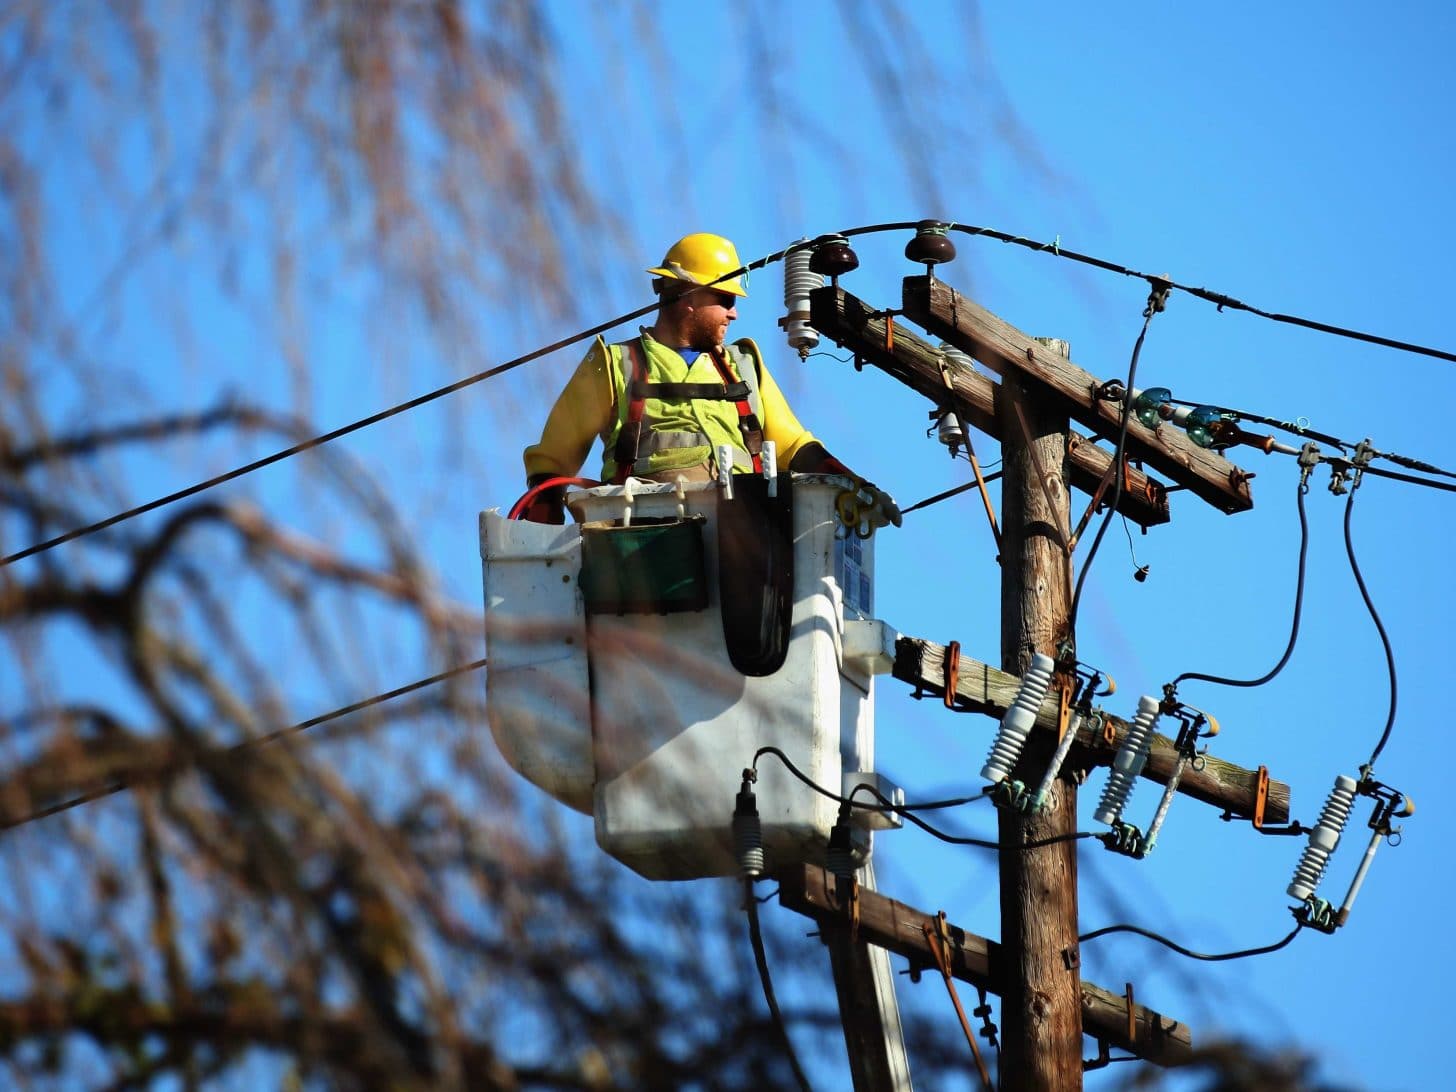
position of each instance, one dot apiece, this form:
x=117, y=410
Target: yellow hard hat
x=701, y=258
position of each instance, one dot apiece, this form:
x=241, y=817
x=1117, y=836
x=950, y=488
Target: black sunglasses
x=726, y=300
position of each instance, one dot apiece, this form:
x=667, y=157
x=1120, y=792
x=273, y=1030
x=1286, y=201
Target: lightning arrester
x=1323, y=838
x=1131, y=757
x=1018, y=721
x=799, y=281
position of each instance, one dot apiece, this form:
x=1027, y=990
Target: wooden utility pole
x=1046, y=1009
x=1041, y=1005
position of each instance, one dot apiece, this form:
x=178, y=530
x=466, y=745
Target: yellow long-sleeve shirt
x=587, y=409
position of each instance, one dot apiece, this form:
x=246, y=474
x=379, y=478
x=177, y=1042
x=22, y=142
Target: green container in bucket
x=655, y=566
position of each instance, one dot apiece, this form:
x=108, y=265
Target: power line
x=1301, y=490
x=1159, y=284
x=1155, y=304
x=1304, y=431
x=1379, y=628
x=907, y=811
x=760, y=959
x=318, y=441
x=1217, y=298
x=1054, y=248
x=172, y=769
x=1218, y=958
x=1395, y=475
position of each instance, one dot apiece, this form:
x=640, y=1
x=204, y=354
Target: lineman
x=665, y=401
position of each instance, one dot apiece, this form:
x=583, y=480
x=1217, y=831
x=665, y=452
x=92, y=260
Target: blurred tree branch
x=372, y=905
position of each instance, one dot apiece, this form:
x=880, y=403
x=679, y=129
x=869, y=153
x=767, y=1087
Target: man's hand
x=549, y=506
x=882, y=508
x=869, y=505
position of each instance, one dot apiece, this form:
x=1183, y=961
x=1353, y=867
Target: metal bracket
x=1261, y=797
x=1159, y=287
x=1103, y=1059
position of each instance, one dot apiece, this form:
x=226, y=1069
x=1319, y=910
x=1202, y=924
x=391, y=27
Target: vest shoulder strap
x=748, y=363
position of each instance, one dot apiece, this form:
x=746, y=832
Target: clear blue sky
x=1292, y=156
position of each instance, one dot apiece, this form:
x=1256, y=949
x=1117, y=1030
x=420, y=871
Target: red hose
x=540, y=487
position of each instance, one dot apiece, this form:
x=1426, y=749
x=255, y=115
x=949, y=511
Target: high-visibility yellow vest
x=686, y=410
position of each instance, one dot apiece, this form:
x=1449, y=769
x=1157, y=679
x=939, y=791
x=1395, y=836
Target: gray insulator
x=799, y=281
x=1019, y=719
x=1323, y=839
x=748, y=842
x=950, y=432
x=1131, y=757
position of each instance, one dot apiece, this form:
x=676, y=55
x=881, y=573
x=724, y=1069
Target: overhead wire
x=1379, y=628
x=907, y=811
x=760, y=959
x=176, y=768
x=1219, y=299
x=1394, y=475
x=1216, y=958
x=1153, y=307
x=1158, y=281
x=1305, y=432
x=320, y=440
x=1301, y=489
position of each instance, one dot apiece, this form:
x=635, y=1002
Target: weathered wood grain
x=965, y=324
x=854, y=325
x=813, y=892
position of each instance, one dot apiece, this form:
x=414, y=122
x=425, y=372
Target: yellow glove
x=867, y=508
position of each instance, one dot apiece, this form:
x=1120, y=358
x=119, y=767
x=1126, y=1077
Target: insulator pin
x=799, y=281
x=949, y=432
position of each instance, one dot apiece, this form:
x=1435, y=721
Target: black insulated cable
x=1344, y=445
x=1217, y=958
x=1154, y=306
x=1395, y=475
x=170, y=770
x=320, y=440
x=1379, y=627
x=760, y=958
x=1159, y=284
x=1217, y=298
x=907, y=811
x=1301, y=489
